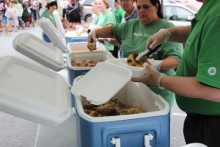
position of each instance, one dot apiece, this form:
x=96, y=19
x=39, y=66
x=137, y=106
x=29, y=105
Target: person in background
x=63, y=5
x=34, y=11
x=129, y=7
x=5, y=6
x=74, y=12
x=92, y=21
x=1, y=15
x=119, y=12
x=19, y=8
x=26, y=13
x=48, y=13
x=106, y=18
x=12, y=15
x=134, y=40
x=197, y=80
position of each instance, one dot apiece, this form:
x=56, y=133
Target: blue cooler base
x=130, y=132
x=75, y=39
x=75, y=73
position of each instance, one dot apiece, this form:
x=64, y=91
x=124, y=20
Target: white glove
x=91, y=36
x=91, y=39
x=151, y=77
x=161, y=36
x=104, y=40
x=154, y=63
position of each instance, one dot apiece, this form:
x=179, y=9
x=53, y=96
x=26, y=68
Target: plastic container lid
x=40, y=51
x=59, y=23
x=50, y=30
x=137, y=71
x=33, y=92
x=101, y=83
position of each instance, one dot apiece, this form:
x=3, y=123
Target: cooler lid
x=40, y=51
x=51, y=31
x=33, y=92
x=59, y=23
x=102, y=82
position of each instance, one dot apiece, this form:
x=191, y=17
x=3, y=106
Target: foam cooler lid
x=40, y=51
x=33, y=92
x=50, y=30
x=102, y=82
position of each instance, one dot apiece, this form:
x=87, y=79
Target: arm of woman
x=105, y=32
x=179, y=34
x=169, y=63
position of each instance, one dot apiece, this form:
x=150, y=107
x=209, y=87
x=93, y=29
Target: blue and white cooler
x=39, y=94
x=77, y=50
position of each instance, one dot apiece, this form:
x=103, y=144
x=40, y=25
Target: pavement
x=17, y=132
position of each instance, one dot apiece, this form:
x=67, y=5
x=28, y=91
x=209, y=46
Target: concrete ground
x=17, y=132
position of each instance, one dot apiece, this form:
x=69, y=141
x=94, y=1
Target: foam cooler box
x=151, y=128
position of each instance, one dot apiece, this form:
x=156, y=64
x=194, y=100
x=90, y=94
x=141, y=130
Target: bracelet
x=159, y=79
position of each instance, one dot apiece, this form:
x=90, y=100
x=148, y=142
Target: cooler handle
x=147, y=139
x=116, y=142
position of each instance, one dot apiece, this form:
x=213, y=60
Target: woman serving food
x=133, y=34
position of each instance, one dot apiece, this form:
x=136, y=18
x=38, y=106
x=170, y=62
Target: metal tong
x=147, y=53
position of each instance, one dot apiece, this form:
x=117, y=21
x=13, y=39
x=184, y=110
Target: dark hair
x=159, y=11
x=53, y=3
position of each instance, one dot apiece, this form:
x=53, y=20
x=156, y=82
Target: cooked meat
x=111, y=108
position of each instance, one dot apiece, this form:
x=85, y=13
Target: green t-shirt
x=104, y=20
x=95, y=19
x=48, y=15
x=133, y=35
x=201, y=58
x=119, y=14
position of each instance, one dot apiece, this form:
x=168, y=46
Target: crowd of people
x=19, y=13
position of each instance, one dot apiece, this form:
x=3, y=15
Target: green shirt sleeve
x=208, y=57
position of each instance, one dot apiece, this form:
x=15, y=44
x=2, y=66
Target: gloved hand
x=151, y=77
x=161, y=36
x=91, y=40
x=154, y=63
x=104, y=40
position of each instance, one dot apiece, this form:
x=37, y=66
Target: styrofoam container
x=51, y=31
x=96, y=56
x=77, y=47
x=111, y=76
x=33, y=92
x=137, y=71
x=151, y=128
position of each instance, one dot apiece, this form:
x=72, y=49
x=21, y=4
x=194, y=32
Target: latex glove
x=151, y=77
x=155, y=64
x=91, y=36
x=161, y=36
x=104, y=40
x=91, y=41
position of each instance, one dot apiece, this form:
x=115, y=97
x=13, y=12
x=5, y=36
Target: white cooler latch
x=147, y=139
x=116, y=142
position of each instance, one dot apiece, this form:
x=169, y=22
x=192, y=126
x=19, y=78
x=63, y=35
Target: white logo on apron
x=212, y=71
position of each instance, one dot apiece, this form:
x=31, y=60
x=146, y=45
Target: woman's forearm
x=105, y=32
x=179, y=34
